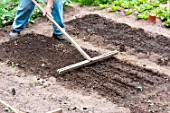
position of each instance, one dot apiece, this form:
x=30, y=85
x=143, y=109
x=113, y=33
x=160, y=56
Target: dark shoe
x=61, y=38
x=13, y=34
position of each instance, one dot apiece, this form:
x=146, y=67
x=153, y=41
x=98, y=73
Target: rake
x=88, y=60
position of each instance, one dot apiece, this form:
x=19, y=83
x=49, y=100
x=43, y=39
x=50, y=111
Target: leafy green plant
x=65, y=2
x=167, y=22
x=114, y=8
x=158, y=11
x=142, y=1
x=139, y=9
x=134, y=3
x=129, y=11
x=103, y=1
x=118, y=2
x=155, y=3
x=8, y=10
x=90, y=2
x=103, y=6
x=147, y=6
x=12, y=65
x=125, y=6
x=163, y=1
x=85, y=2
x=163, y=13
x=36, y=13
x=143, y=15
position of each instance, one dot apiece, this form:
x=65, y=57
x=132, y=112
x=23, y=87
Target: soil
x=38, y=54
x=113, y=79
x=122, y=36
x=133, y=87
x=3, y=34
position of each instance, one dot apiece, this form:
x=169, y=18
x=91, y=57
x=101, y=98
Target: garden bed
x=100, y=30
x=119, y=81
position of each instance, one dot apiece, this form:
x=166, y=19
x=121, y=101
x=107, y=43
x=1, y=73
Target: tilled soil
x=116, y=80
x=39, y=54
x=122, y=36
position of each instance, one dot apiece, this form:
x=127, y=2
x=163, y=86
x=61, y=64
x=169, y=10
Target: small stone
x=13, y=91
x=38, y=78
x=74, y=108
x=122, y=48
x=43, y=65
x=84, y=108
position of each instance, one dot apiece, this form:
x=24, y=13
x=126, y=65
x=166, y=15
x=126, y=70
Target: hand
x=47, y=10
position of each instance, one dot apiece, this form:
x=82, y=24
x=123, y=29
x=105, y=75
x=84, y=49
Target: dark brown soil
x=116, y=80
x=122, y=35
x=39, y=54
x=122, y=83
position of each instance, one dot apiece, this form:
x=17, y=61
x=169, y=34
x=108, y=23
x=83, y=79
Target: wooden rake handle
x=63, y=31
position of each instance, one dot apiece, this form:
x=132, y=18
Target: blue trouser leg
x=57, y=14
x=24, y=11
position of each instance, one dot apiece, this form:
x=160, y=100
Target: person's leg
x=57, y=13
x=24, y=11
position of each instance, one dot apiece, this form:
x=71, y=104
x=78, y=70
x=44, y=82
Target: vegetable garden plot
x=112, y=78
x=121, y=35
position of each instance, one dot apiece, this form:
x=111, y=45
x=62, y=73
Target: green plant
x=129, y=11
x=65, y=2
x=125, y=4
x=158, y=11
x=163, y=1
x=12, y=65
x=85, y=2
x=147, y=6
x=7, y=11
x=155, y=3
x=36, y=13
x=103, y=1
x=103, y=6
x=142, y=1
x=114, y=8
x=143, y=15
x=167, y=22
x=134, y=2
x=117, y=2
x=163, y=13
x=139, y=9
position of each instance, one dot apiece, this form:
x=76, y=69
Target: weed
x=12, y=65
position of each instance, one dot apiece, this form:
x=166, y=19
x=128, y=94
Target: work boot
x=61, y=38
x=13, y=35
